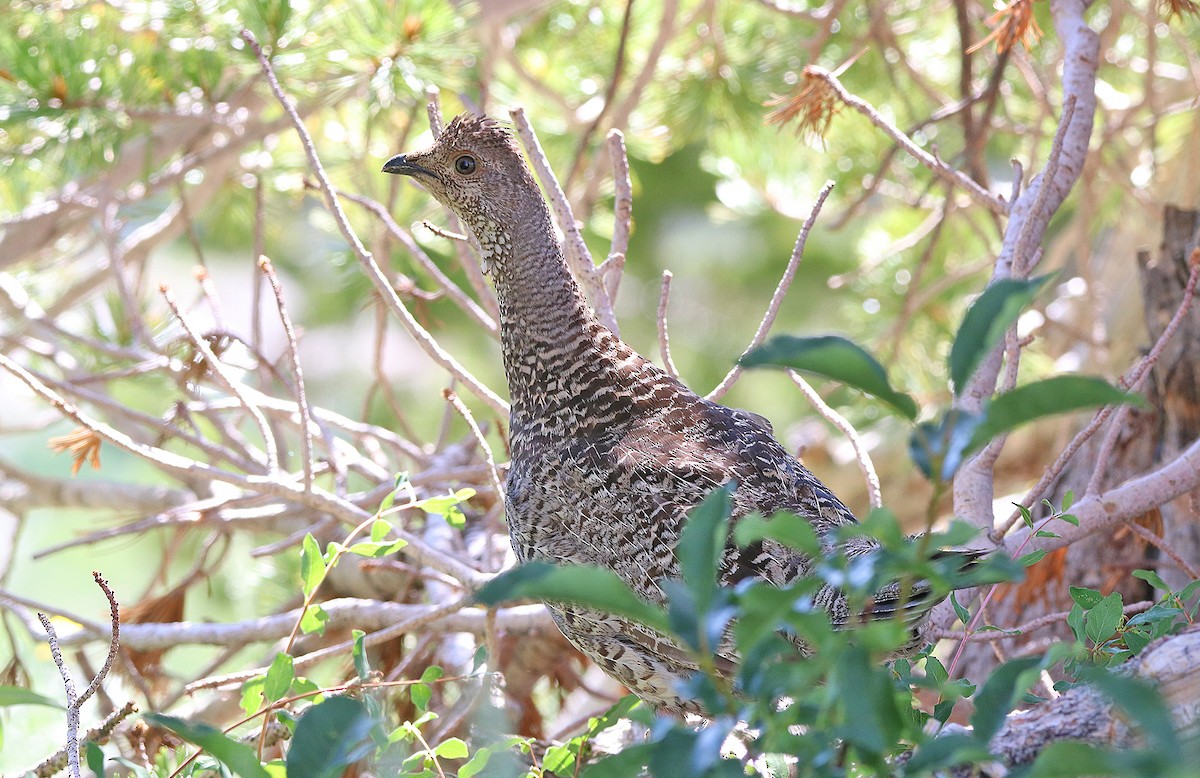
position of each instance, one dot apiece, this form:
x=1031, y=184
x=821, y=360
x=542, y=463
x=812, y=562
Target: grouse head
x=475, y=169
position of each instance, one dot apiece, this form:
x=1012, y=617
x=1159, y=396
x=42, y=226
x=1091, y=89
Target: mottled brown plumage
x=608, y=451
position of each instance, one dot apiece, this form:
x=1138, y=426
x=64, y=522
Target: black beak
x=400, y=165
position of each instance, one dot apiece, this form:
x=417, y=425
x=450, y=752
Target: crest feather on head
x=469, y=130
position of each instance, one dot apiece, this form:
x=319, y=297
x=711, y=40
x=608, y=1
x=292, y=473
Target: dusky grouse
x=608, y=451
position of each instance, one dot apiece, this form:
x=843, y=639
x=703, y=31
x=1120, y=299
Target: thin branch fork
x=453, y=290
x=781, y=290
x=221, y=372
x=1133, y=380
x=1028, y=218
x=370, y=266
x=75, y=700
x=664, y=338
x=861, y=455
x=937, y=166
x=386, y=620
x=306, y=416
x=181, y=466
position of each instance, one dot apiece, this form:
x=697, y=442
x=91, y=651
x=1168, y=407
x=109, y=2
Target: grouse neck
x=546, y=324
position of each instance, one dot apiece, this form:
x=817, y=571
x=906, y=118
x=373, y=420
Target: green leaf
x=446, y=505
x=1060, y=394
x=1135, y=640
x=236, y=756
x=420, y=694
x=985, y=323
x=376, y=549
x=94, y=758
x=1004, y=687
x=946, y=751
x=592, y=587
x=1075, y=621
x=558, y=759
x=329, y=737
x=832, y=356
x=279, y=677
x=362, y=664
x=483, y=755
x=1151, y=577
x=380, y=529
x=16, y=695
x=1087, y=598
x=451, y=748
x=313, y=620
x=1068, y=759
x=785, y=528
x=252, y=694
x=702, y=542
x=939, y=448
x=1032, y=557
x=1026, y=515
x=959, y=610
x=312, y=565
x=628, y=761
x=1102, y=621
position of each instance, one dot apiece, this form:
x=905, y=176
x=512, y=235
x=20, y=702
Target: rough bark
x=1171, y=664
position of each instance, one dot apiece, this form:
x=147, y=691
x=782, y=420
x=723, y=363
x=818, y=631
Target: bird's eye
x=465, y=164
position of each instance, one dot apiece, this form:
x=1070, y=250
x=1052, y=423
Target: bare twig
x=75, y=700
x=781, y=289
x=99, y=734
x=579, y=259
x=1133, y=380
x=610, y=93
x=419, y=333
x=622, y=214
x=387, y=619
x=489, y=458
x=200, y=343
x=1041, y=622
x=664, y=339
x=453, y=291
x=861, y=455
x=72, y=697
x=1022, y=257
x=176, y=464
x=114, y=640
x=1028, y=218
x=937, y=166
x=306, y=419
x=1188, y=569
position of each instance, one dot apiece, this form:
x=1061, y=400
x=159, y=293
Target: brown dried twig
x=937, y=166
x=306, y=419
x=664, y=339
x=781, y=289
x=861, y=455
x=214, y=363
